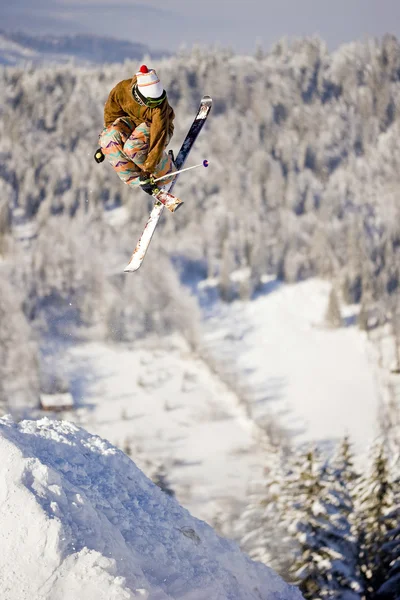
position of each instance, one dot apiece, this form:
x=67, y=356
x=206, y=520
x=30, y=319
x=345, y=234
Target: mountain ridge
x=19, y=47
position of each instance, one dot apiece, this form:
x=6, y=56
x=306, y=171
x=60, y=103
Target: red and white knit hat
x=148, y=83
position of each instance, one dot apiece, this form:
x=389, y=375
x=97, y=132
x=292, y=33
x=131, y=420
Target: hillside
x=80, y=519
x=18, y=48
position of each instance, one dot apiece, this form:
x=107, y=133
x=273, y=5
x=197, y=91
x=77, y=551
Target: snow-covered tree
x=19, y=368
x=261, y=529
x=313, y=150
x=338, y=498
x=305, y=487
x=390, y=589
x=325, y=565
x=377, y=521
x=333, y=316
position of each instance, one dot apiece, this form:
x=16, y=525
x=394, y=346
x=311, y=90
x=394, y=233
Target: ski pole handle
x=203, y=164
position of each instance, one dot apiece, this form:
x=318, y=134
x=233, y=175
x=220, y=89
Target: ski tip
x=132, y=266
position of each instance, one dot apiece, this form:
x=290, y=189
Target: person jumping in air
x=138, y=126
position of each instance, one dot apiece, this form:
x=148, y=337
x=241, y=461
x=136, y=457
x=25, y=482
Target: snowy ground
x=168, y=405
x=320, y=383
x=80, y=520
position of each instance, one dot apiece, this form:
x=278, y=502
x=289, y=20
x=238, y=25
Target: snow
x=173, y=408
x=319, y=383
x=170, y=406
x=80, y=520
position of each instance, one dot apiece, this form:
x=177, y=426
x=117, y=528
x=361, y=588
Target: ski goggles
x=150, y=102
x=153, y=102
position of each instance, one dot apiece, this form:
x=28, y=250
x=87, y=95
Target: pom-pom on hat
x=148, y=83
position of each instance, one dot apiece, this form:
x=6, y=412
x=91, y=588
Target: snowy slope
x=319, y=383
x=80, y=520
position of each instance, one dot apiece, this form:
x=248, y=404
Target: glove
x=147, y=186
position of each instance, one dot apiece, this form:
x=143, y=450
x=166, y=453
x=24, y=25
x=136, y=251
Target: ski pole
x=203, y=164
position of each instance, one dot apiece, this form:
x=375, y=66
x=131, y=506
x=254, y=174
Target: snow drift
x=79, y=520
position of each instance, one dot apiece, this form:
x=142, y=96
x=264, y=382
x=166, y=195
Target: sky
x=229, y=23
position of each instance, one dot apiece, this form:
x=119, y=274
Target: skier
x=138, y=125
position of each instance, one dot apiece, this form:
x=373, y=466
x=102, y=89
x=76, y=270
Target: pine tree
x=261, y=528
x=390, y=590
x=333, y=316
x=338, y=497
x=225, y=283
x=19, y=372
x=375, y=521
x=326, y=564
x=304, y=526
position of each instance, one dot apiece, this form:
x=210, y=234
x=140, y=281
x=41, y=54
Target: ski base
x=141, y=248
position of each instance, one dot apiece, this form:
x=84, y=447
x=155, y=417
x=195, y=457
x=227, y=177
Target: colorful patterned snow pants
x=126, y=147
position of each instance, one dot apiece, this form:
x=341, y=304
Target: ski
x=139, y=252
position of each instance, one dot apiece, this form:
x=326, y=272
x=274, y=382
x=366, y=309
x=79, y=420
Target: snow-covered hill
x=79, y=519
x=19, y=48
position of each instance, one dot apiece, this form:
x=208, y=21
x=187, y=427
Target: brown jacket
x=121, y=103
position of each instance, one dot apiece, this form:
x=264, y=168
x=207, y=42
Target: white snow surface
x=319, y=383
x=79, y=520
